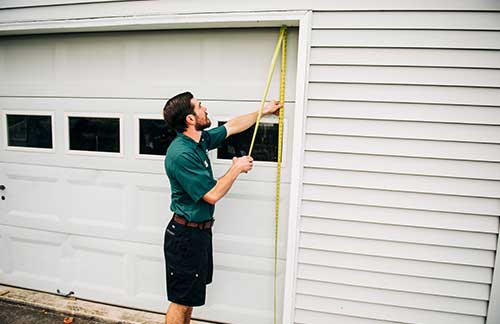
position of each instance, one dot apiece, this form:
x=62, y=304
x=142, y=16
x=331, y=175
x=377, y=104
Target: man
x=188, y=236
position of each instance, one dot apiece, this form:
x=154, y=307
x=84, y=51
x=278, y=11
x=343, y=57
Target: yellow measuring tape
x=281, y=45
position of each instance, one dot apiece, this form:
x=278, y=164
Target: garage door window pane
x=29, y=131
x=265, y=146
x=94, y=134
x=155, y=136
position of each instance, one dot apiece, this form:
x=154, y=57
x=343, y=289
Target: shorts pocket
x=184, y=286
x=183, y=275
x=174, y=230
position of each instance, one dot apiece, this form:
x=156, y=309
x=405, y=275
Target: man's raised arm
x=243, y=122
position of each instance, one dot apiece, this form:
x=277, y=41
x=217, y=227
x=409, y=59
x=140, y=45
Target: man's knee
x=180, y=308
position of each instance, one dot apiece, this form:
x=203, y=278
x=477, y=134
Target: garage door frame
x=300, y=19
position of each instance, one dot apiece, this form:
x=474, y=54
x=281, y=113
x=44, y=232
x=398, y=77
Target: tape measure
x=280, y=45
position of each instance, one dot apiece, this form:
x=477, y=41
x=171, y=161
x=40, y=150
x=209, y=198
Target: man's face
x=201, y=115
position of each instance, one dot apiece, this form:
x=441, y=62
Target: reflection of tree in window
x=94, y=134
x=155, y=136
x=265, y=146
x=29, y=131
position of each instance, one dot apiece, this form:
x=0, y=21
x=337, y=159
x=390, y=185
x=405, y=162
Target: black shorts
x=188, y=263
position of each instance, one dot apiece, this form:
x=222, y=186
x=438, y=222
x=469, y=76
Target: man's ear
x=190, y=119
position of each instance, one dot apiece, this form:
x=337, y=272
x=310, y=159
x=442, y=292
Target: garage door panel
x=110, y=264
x=102, y=269
x=150, y=209
x=32, y=258
x=249, y=283
x=35, y=256
x=96, y=203
x=124, y=273
x=99, y=269
x=247, y=60
x=110, y=212
x=132, y=109
x=30, y=197
x=89, y=58
x=147, y=277
x=242, y=284
x=215, y=64
x=234, y=244
x=168, y=65
x=16, y=53
x=136, y=207
x=106, y=209
x=145, y=269
x=88, y=202
x=247, y=217
x=3, y=253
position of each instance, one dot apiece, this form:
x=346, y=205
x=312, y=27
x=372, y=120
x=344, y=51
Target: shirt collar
x=188, y=139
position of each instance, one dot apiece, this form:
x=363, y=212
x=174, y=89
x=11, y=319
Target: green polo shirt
x=190, y=173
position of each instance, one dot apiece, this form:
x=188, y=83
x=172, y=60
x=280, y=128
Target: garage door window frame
x=67, y=149
x=300, y=19
x=8, y=147
x=137, y=137
x=265, y=119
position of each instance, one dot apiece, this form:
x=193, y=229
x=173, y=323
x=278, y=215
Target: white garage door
x=85, y=213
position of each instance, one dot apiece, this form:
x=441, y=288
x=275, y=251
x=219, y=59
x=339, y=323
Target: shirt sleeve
x=193, y=176
x=215, y=136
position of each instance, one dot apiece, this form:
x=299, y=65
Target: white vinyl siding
x=400, y=204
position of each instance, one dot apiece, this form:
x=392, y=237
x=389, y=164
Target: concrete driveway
x=15, y=313
x=25, y=306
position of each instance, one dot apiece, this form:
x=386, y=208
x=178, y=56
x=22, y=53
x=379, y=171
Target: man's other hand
x=272, y=107
x=243, y=164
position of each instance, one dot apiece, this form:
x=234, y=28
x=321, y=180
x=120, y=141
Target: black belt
x=201, y=225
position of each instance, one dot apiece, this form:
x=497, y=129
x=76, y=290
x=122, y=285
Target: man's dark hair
x=176, y=109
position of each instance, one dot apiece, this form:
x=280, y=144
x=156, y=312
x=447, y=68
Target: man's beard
x=201, y=126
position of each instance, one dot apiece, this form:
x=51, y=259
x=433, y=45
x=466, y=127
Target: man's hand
x=242, y=123
x=243, y=164
x=272, y=107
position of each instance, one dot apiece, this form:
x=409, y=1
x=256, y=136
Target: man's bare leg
x=188, y=315
x=178, y=314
